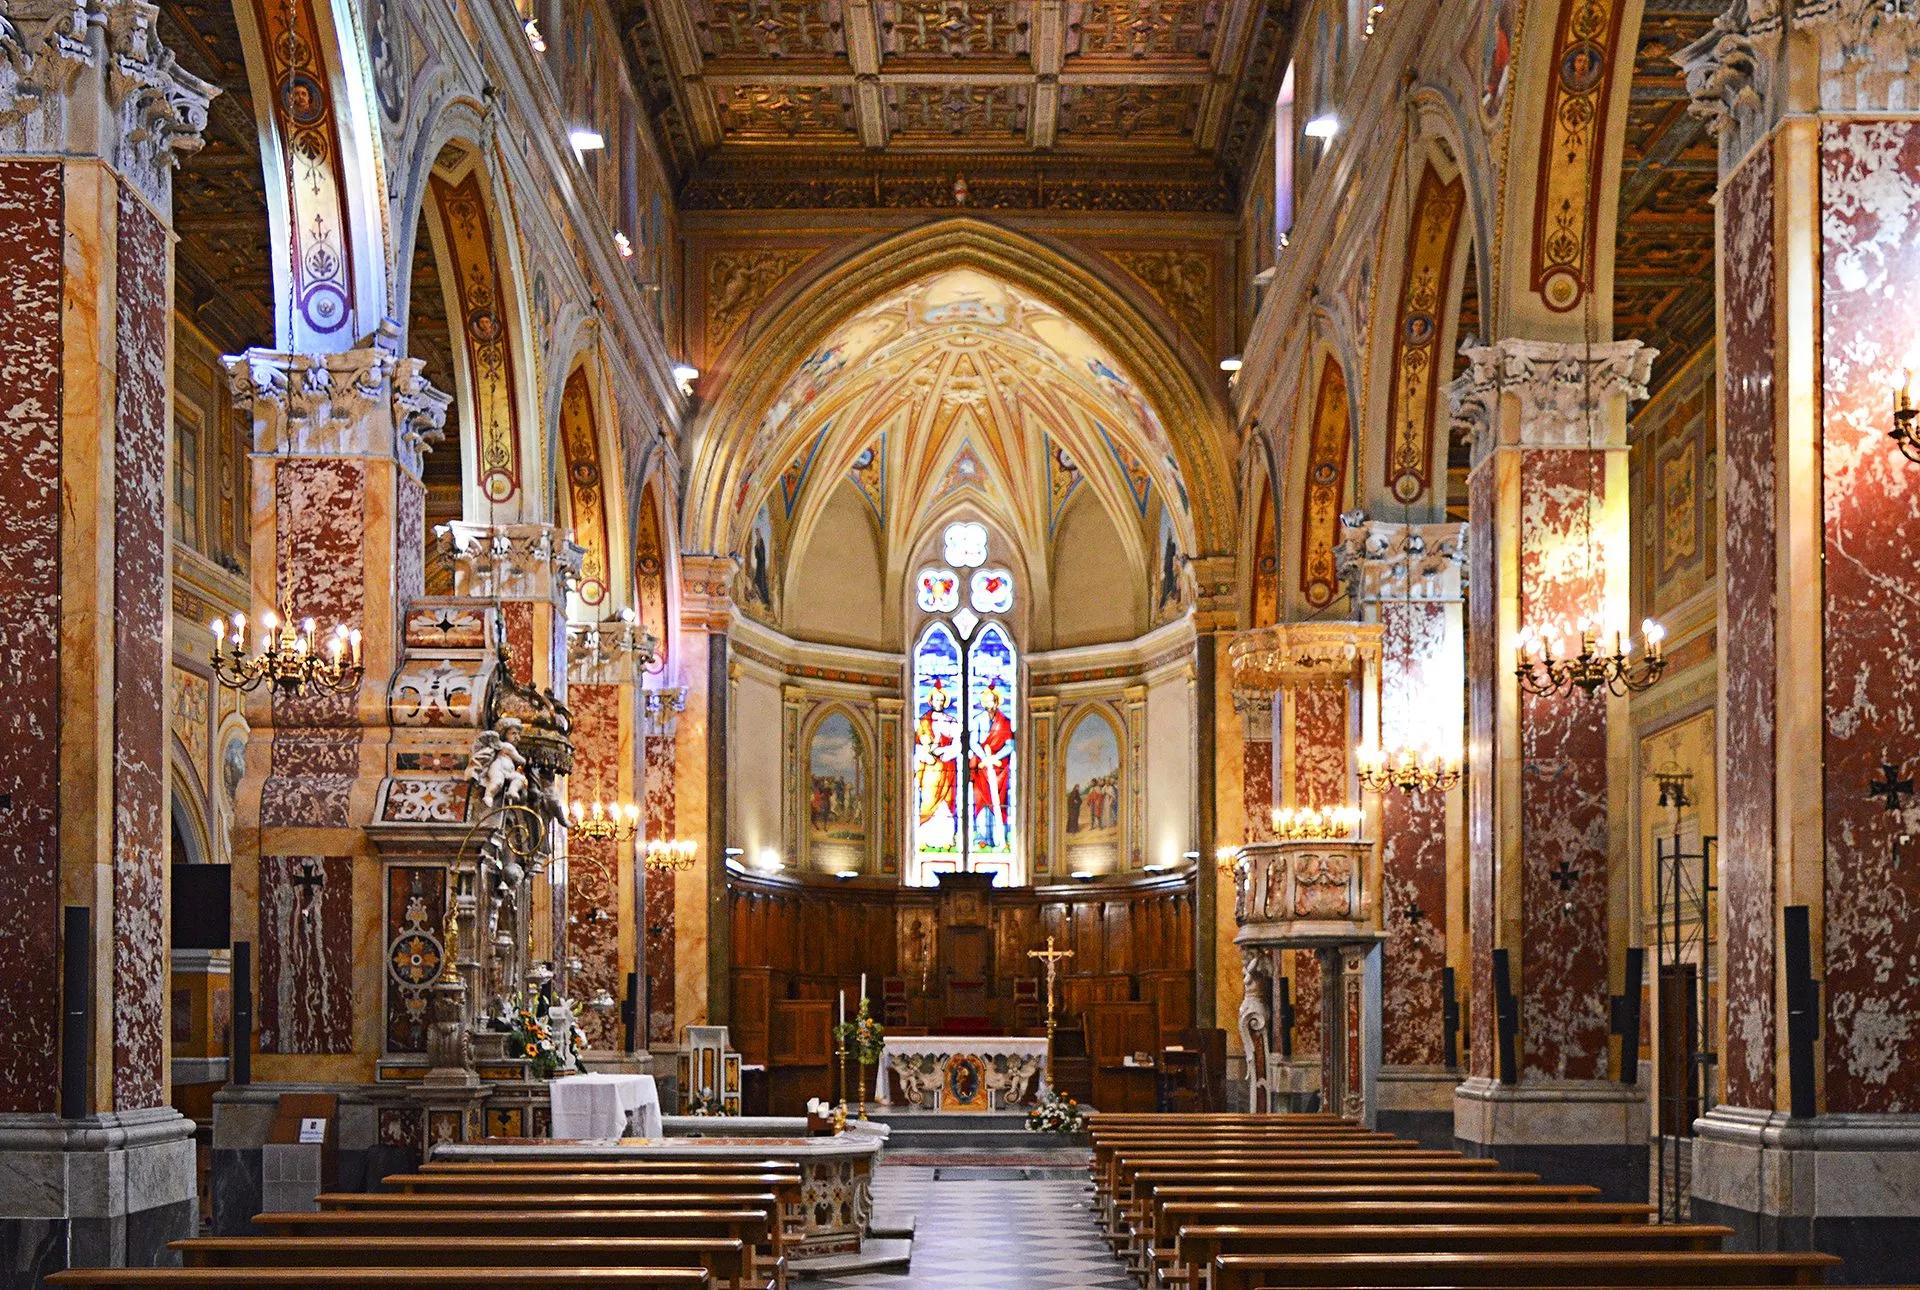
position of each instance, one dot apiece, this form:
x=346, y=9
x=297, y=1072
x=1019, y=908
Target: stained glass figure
x=993, y=689
x=936, y=742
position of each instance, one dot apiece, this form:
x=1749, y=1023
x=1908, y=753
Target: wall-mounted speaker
x=1449, y=1019
x=1506, y=1018
x=76, y=1010
x=1625, y=1021
x=1803, y=1011
x=240, y=1042
x=1283, y=1023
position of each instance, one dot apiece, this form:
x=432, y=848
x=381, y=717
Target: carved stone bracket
x=1382, y=561
x=1266, y=659
x=91, y=78
x=1564, y=391
x=510, y=561
x=367, y=401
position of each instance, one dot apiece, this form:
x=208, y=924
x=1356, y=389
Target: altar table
x=1007, y=1065
x=606, y=1106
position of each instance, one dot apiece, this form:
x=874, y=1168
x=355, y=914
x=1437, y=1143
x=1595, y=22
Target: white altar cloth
x=1026, y=1060
x=606, y=1106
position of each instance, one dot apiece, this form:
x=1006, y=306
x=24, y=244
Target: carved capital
x=1382, y=561
x=92, y=78
x=1564, y=393
x=1726, y=83
x=662, y=709
x=360, y=402
x=706, y=598
x=510, y=561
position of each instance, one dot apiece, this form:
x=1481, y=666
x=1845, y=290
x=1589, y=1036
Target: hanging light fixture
x=675, y=855
x=1408, y=769
x=1904, y=416
x=1321, y=823
x=286, y=656
x=604, y=821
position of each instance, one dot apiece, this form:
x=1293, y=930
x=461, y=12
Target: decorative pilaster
x=1408, y=578
x=93, y=112
x=604, y=899
x=1042, y=711
x=1548, y=774
x=661, y=709
x=1818, y=207
x=701, y=751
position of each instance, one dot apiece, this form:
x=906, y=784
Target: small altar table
x=593, y=1107
x=965, y=1069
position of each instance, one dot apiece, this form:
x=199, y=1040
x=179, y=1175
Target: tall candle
x=863, y=987
x=843, y=1006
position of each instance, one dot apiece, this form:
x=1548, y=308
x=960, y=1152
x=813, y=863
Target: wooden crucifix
x=1052, y=959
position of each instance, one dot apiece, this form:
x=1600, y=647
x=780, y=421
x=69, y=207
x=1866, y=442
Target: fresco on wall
x=837, y=798
x=1166, y=573
x=1496, y=55
x=756, y=566
x=1091, y=791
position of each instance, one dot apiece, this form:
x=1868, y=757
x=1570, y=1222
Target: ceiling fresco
x=1141, y=104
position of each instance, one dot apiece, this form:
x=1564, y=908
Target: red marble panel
x=141, y=323
x=1256, y=774
x=659, y=930
x=409, y=538
x=593, y=889
x=1320, y=745
x=1483, y=690
x=306, y=954
x=416, y=923
x=517, y=620
x=1747, y=499
x=1413, y=829
x=1563, y=788
x=1870, y=233
x=1306, y=1003
x=32, y=223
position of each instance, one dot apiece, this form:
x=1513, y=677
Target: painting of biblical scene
x=1167, y=573
x=1090, y=776
x=993, y=688
x=936, y=742
x=756, y=571
x=837, y=785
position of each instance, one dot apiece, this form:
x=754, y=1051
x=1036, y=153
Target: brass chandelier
x=668, y=855
x=285, y=656
x=1542, y=669
x=604, y=821
x=1408, y=769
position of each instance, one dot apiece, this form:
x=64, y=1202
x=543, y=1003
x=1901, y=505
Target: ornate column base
x=1567, y=1131
x=106, y=1191
x=1417, y=1102
x=1844, y=1184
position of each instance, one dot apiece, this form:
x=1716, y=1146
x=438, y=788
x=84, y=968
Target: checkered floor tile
x=1001, y=1234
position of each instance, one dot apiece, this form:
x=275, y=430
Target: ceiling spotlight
x=1322, y=127
x=584, y=140
x=684, y=375
x=1231, y=364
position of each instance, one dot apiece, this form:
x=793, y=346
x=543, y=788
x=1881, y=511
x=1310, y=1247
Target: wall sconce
x=1543, y=670
x=1409, y=769
x=1904, y=414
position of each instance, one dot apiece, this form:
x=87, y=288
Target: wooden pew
x=691, y=1163
x=1589, y=1268
x=1122, y=1170
x=1197, y=1246
x=728, y=1261
x=543, y=1277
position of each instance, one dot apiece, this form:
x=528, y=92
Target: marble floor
x=987, y=1227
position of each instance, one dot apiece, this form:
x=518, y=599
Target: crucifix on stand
x=1052, y=959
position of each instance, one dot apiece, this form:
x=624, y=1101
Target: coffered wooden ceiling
x=1094, y=104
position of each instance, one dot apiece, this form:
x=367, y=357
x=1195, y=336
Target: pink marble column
x=662, y=709
x=97, y=112
x=1548, y=513
x=1408, y=578
x=1819, y=249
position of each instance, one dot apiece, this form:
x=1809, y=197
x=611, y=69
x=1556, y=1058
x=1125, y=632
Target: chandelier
x=668, y=855
x=1409, y=769
x=1542, y=668
x=285, y=655
x=604, y=821
x=1322, y=823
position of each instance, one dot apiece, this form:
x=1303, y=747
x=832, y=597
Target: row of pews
x=1236, y=1202
x=659, y=1224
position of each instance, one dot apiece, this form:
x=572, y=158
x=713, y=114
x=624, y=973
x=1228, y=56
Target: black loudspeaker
x=1283, y=1024
x=76, y=1010
x=630, y=1009
x=240, y=1042
x=1506, y=1019
x=1803, y=1011
x=1449, y=1019
x=1625, y=1021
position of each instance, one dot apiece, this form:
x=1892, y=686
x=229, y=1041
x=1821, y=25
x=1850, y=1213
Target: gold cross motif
x=1052, y=959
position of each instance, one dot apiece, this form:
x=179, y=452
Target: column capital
x=1216, y=591
x=366, y=401
x=615, y=652
x=1855, y=56
x=706, y=598
x=1381, y=560
x=1268, y=659
x=509, y=561
x=1565, y=390
x=662, y=708
x=91, y=78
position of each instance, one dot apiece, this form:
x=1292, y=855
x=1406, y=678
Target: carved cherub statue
x=497, y=766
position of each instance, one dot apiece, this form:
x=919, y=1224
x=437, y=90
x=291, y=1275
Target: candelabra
x=604, y=821
x=1226, y=860
x=286, y=656
x=668, y=855
x=1315, y=822
x=1904, y=416
x=1543, y=670
x=1409, y=769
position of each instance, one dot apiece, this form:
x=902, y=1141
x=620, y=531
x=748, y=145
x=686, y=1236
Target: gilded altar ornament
x=286, y=656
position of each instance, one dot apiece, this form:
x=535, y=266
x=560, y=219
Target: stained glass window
x=966, y=701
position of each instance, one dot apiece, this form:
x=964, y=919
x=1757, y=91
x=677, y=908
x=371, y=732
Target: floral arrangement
x=531, y=1038
x=1057, y=1113
x=864, y=1037
x=705, y=1101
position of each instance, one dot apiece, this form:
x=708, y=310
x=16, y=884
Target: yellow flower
x=533, y=1050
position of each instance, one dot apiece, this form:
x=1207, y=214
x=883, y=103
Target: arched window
x=966, y=703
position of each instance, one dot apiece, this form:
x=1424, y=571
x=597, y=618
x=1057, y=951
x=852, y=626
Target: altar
x=962, y=1072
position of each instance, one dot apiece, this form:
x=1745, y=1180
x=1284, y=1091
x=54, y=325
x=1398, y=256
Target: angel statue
x=497, y=766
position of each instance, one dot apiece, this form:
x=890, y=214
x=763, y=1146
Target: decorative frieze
x=1290, y=654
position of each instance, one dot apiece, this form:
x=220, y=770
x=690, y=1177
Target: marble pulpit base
x=105, y=1191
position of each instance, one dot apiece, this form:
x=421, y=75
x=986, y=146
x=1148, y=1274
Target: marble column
x=1548, y=775
x=605, y=895
x=662, y=708
x=1816, y=1144
x=1408, y=578
x=93, y=113
x=700, y=937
